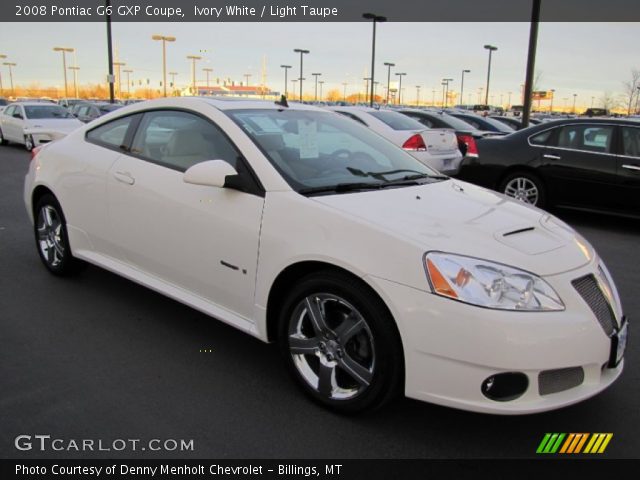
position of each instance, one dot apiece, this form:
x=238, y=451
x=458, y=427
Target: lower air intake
x=559, y=380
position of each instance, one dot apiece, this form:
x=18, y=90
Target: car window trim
x=126, y=142
x=256, y=187
x=557, y=127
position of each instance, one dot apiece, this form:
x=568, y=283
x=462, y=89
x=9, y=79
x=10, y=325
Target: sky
x=587, y=59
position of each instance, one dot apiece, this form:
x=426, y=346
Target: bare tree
x=608, y=101
x=631, y=89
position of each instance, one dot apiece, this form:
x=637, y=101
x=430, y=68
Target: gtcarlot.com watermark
x=47, y=443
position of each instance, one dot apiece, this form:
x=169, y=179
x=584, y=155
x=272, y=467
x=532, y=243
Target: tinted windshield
x=314, y=149
x=109, y=108
x=46, y=111
x=502, y=127
x=456, y=123
x=397, y=121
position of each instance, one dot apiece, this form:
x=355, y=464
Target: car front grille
x=559, y=380
x=590, y=292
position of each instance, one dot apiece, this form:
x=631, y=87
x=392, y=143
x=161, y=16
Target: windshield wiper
x=342, y=187
x=381, y=175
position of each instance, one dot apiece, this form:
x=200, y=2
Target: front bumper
x=41, y=137
x=451, y=348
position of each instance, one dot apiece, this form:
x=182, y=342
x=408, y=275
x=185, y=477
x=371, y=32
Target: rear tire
x=51, y=237
x=3, y=141
x=526, y=187
x=340, y=344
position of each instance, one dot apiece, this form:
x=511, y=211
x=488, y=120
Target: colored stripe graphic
x=573, y=443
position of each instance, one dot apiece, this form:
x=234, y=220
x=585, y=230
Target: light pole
x=366, y=88
x=417, y=95
x=173, y=82
x=375, y=18
x=2, y=57
x=491, y=49
x=118, y=65
x=75, y=79
x=501, y=97
x=316, y=92
x=400, y=87
x=445, y=91
x=293, y=88
x=433, y=97
x=194, y=59
x=388, y=65
x=10, y=65
x=286, y=69
x=164, y=39
x=64, y=51
x=321, y=82
x=208, y=72
x=344, y=92
x=462, y=84
x=301, y=52
x=510, y=99
x=553, y=94
x=246, y=76
x=128, y=72
x=575, y=95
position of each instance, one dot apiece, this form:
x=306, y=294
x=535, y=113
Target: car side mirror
x=211, y=173
x=17, y=115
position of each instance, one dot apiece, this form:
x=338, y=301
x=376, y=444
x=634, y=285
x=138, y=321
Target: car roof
x=235, y=103
x=36, y=104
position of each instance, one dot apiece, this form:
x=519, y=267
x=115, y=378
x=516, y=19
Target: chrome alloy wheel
x=28, y=142
x=332, y=346
x=522, y=189
x=49, y=228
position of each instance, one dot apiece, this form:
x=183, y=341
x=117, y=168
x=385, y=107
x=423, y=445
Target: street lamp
x=462, y=84
x=301, y=52
x=366, y=88
x=417, y=95
x=509, y=106
x=118, y=65
x=194, y=59
x=344, y=94
x=75, y=79
x=286, y=69
x=553, y=94
x=2, y=57
x=247, y=76
x=164, y=39
x=445, y=91
x=389, y=65
x=207, y=71
x=400, y=86
x=321, y=82
x=375, y=18
x=316, y=92
x=11, y=64
x=293, y=88
x=491, y=49
x=128, y=71
x=575, y=95
x=64, y=51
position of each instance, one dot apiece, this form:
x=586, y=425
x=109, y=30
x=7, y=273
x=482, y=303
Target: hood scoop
x=530, y=240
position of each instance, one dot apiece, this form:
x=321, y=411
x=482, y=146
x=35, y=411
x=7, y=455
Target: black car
x=591, y=164
x=484, y=123
x=513, y=122
x=467, y=134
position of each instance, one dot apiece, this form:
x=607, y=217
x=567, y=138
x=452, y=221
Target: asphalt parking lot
x=99, y=357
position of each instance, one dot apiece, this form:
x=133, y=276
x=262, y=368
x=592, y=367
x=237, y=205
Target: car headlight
x=488, y=284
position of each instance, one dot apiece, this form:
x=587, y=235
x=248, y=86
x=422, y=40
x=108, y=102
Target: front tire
x=28, y=142
x=3, y=141
x=51, y=237
x=525, y=187
x=340, y=343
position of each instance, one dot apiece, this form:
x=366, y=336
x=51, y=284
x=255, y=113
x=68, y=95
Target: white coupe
x=35, y=123
x=374, y=274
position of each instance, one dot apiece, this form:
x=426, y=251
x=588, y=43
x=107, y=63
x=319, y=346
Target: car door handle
x=551, y=157
x=631, y=167
x=124, y=177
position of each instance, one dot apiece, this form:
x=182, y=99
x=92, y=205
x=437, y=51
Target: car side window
x=631, y=141
x=111, y=134
x=9, y=111
x=423, y=120
x=179, y=140
x=591, y=138
x=541, y=138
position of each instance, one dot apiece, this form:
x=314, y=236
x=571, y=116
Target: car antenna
x=282, y=101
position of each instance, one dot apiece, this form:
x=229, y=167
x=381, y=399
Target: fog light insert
x=504, y=387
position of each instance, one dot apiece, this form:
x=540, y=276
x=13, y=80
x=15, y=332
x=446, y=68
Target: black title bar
x=317, y=10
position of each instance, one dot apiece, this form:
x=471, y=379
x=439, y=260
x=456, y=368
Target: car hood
x=64, y=125
x=461, y=218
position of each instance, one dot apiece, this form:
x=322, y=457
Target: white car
x=436, y=148
x=374, y=274
x=35, y=123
